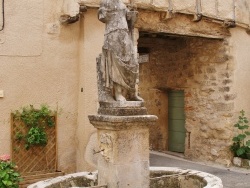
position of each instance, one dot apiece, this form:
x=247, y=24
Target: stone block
x=226, y=9
x=214, y=152
x=245, y=163
x=90, y=2
x=184, y=6
x=126, y=174
x=124, y=149
x=122, y=108
x=224, y=162
x=229, y=97
x=224, y=89
x=143, y=3
x=227, y=81
x=237, y=161
x=162, y=4
x=224, y=107
x=209, y=8
x=132, y=146
x=95, y=3
x=137, y=175
x=242, y=11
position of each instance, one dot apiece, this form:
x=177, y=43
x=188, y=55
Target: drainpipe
x=198, y=15
x=169, y=12
x=231, y=23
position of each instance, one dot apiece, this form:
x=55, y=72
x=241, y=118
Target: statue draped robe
x=118, y=62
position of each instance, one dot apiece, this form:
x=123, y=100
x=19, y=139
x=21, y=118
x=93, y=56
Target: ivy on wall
x=36, y=120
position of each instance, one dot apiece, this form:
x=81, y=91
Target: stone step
x=129, y=111
x=122, y=104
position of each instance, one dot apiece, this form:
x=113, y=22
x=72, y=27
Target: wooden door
x=176, y=121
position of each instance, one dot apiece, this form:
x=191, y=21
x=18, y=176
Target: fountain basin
x=160, y=177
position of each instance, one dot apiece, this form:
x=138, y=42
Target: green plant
x=241, y=146
x=19, y=136
x=9, y=177
x=36, y=117
x=36, y=136
x=36, y=121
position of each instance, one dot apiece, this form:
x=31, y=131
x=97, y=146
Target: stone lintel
x=181, y=25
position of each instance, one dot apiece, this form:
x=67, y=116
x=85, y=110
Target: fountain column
x=122, y=122
x=123, y=136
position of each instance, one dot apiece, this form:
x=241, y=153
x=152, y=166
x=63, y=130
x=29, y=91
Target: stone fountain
x=122, y=121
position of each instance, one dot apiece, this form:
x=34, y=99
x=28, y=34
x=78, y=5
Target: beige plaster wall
x=39, y=64
x=240, y=47
x=91, y=41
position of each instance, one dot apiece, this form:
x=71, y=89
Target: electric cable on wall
x=2, y=16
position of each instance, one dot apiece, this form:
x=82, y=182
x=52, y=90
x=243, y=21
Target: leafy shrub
x=241, y=146
x=9, y=177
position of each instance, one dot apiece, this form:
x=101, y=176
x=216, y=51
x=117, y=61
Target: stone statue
x=118, y=60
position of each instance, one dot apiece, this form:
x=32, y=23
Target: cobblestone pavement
x=231, y=177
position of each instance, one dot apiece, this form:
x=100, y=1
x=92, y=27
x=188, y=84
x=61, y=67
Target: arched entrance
x=175, y=64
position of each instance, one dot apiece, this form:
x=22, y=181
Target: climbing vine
x=36, y=121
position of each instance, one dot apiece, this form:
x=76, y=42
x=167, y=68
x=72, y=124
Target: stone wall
x=202, y=68
x=217, y=9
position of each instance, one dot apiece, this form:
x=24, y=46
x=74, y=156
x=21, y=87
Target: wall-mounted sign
x=143, y=58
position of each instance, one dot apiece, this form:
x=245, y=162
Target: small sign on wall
x=143, y=58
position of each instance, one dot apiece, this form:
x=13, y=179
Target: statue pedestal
x=124, y=147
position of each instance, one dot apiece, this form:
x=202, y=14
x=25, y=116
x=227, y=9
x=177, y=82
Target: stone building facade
x=199, y=47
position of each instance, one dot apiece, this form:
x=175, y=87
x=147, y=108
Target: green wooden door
x=176, y=121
